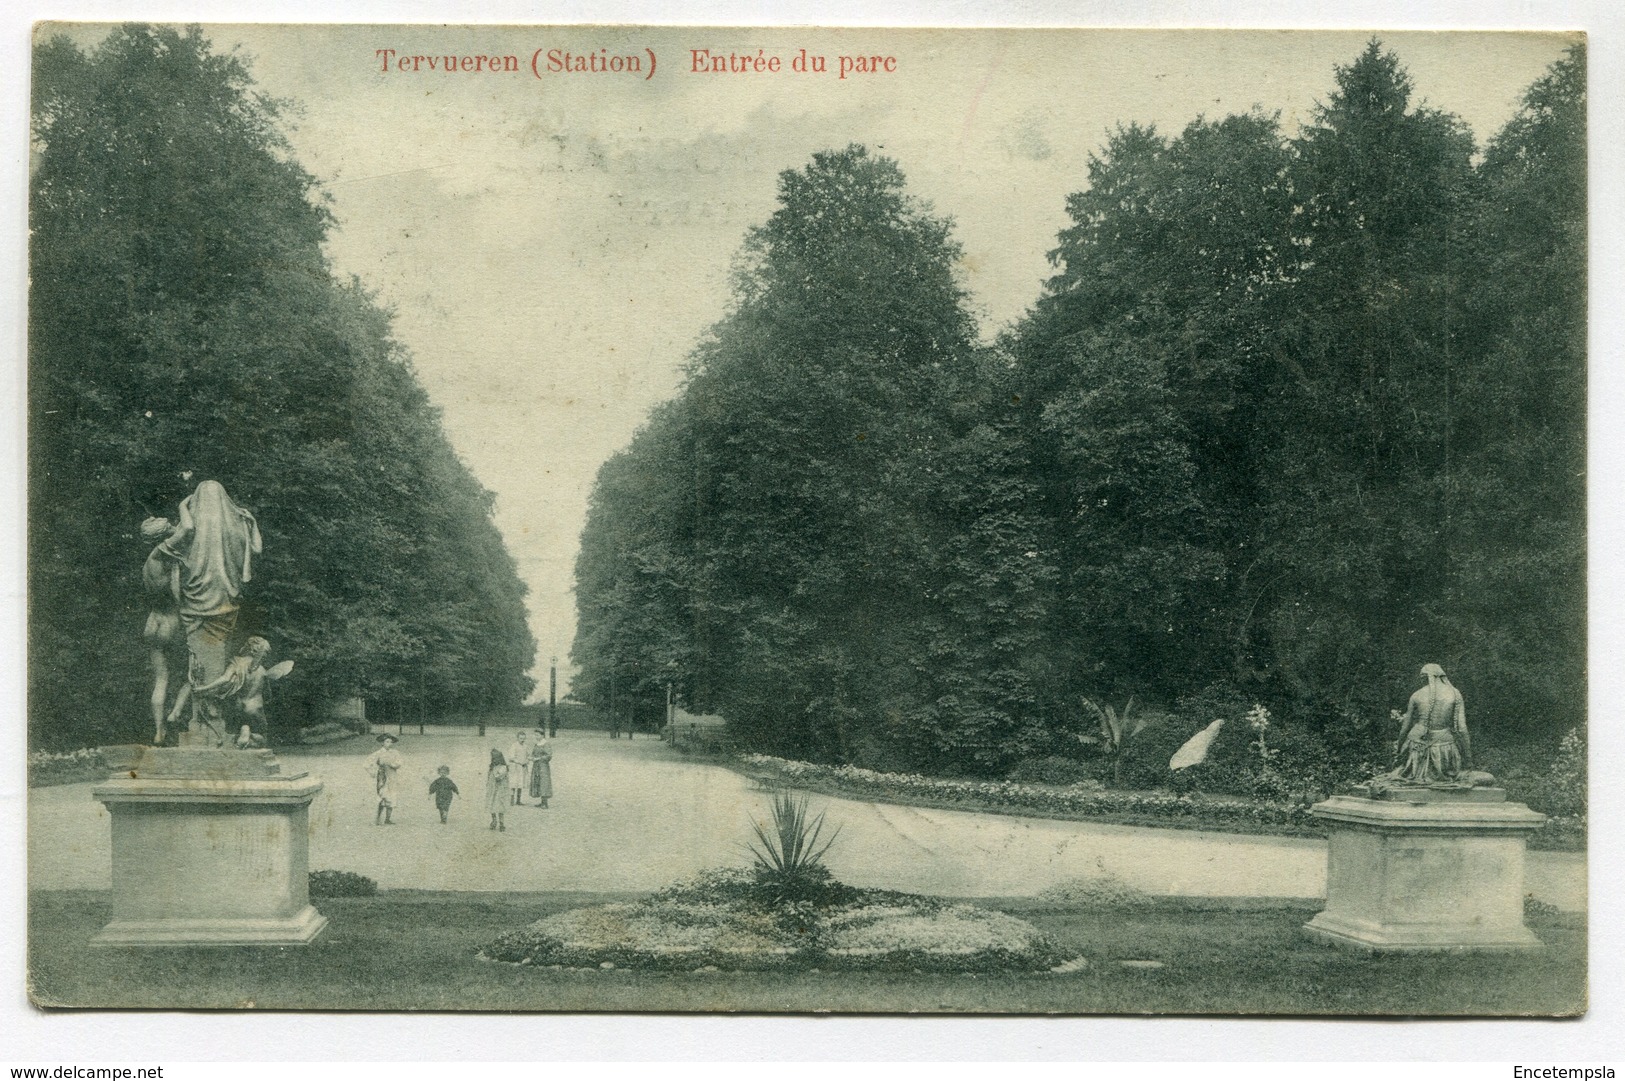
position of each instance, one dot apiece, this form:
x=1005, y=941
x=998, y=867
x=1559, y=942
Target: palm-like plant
x=789, y=853
x=1115, y=732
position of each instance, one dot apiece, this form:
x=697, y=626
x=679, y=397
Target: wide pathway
x=632, y=815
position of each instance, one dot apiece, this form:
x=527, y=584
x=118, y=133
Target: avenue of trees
x=183, y=317
x=1297, y=412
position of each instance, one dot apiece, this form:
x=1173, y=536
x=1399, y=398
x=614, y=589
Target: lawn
x=412, y=950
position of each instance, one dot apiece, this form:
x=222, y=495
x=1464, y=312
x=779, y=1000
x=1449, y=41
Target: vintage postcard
x=790, y=520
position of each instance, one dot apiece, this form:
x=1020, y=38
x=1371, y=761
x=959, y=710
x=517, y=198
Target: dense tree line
x=1296, y=413
x=183, y=317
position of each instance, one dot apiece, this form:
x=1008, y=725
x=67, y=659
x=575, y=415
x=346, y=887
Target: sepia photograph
x=791, y=520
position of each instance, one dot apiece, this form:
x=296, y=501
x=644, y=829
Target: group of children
x=527, y=764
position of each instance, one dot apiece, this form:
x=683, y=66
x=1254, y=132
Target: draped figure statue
x=214, y=548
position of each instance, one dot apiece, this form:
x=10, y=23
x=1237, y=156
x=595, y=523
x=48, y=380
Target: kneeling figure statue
x=1433, y=743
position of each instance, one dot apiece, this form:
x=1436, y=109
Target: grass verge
x=409, y=950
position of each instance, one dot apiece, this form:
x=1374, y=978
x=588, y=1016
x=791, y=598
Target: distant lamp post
x=632, y=702
x=671, y=701
x=552, y=697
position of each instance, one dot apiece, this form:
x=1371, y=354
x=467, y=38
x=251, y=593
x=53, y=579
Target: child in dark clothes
x=443, y=788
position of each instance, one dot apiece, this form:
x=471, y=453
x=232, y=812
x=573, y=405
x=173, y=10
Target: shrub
x=789, y=858
x=1565, y=789
x=1116, y=734
x=1311, y=750
x=341, y=884
x=1054, y=770
x=1101, y=890
x=1145, y=761
x=1553, y=784
x=1536, y=910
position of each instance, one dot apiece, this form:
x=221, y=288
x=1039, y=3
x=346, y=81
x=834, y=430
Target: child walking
x=497, y=797
x=443, y=788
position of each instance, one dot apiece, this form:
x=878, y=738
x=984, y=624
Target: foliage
x=341, y=884
x=66, y=767
x=1554, y=784
x=1566, y=779
x=1322, y=351
x=182, y=315
x=1115, y=733
x=1053, y=769
x=826, y=538
x=1298, y=411
x=1086, y=799
x=1538, y=911
x=789, y=858
x=1180, y=808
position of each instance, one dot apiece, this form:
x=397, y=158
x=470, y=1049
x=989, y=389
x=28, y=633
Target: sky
x=554, y=244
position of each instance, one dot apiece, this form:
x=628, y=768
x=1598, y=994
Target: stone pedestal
x=211, y=847
x=1425, y=869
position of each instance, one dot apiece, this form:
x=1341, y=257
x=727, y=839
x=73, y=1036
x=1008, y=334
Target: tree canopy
x=183, y=316
x=1297, y=412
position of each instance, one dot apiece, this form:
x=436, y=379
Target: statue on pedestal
x=160, y=582
x=1432, y=828
x=1433, y=742
x=210, y=846
x=244, y=680
x=202, y=564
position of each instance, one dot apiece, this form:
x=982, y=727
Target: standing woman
x=385, y=764
x=518, y=766
x=497, y=796
x=541, y=772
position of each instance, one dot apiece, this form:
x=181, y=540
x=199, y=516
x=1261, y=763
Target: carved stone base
x=1430, y=874
x=299, y=929
x=210, y=847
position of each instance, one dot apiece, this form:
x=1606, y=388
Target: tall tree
x=1517, y=588
x=1354, y=534
x=1144, y=360
x=182, y=315
x=858, y=569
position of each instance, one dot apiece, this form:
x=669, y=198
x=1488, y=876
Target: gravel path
x=631, y=815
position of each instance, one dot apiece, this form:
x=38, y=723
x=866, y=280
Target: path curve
x=632, y=816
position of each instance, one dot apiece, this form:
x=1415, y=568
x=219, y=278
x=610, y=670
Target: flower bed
x=1084, y=800
x=66, y=767
x=722, y=919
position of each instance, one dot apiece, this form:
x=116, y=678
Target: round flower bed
x=728, y=920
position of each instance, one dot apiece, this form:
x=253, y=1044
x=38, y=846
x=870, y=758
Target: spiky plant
x=789, y=855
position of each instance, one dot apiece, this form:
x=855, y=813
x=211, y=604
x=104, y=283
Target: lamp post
x=671, y=700
x=632, y=703
x=552, y=697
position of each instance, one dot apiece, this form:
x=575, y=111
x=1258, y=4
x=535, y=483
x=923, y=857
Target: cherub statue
x=244, y=679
